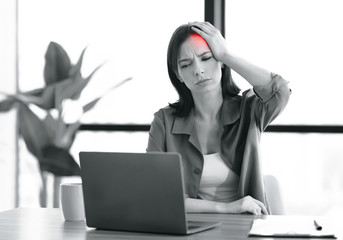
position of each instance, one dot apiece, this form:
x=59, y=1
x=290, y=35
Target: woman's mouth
x=201, y=81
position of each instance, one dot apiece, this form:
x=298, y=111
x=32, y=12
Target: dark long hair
x=184, y=105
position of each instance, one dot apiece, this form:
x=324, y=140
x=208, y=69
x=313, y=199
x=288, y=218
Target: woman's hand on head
x=246, y=205
x=213, y=37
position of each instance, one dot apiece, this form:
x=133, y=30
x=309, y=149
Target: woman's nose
x=198, y=70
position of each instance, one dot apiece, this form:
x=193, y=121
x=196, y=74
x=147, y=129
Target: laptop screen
x=133, y=191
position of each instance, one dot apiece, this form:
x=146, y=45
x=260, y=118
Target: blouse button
x=197, y=171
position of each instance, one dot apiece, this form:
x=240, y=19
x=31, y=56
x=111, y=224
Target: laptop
x=141, y=192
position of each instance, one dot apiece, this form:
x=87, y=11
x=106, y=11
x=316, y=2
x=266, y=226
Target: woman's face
x=197, y=67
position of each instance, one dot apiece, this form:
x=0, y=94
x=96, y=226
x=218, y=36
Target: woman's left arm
x=253, y=74
x=272, y=90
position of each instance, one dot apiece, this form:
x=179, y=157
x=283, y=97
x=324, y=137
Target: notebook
x=141, y=192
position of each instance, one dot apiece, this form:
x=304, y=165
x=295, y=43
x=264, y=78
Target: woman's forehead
x=197, y=41
x=193, y=44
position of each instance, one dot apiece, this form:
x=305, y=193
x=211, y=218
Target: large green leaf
x=48, y=97
x=26, y=99
x=77, y=87
x=59, y=162
x=51, y=125
x=63, y=90
x=6, y=105
x=70, y=134
x=72, y=88
x=42, y=97
x=36, y=92
x=57, y=64
x=45, y=95
x=45, y=98
x=76, y=69
x=32, y=130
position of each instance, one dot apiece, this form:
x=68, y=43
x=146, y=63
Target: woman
x=217, y=131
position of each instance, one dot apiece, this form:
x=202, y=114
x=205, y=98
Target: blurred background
x=300, y=40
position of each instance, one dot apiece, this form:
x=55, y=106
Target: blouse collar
x=230, y=113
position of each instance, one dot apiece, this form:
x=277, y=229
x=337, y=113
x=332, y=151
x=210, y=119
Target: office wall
x=7, y=120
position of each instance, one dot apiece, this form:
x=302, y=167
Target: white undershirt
x=218, y=182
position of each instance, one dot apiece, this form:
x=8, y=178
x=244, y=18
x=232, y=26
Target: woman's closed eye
x=185, y=65
x=206, y=58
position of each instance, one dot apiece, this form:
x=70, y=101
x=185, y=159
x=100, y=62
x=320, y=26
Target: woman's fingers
x=200, y=32
x=206, y=27
x=261, y=205
x=209, y=27
x=257, y=211
x=254, y=206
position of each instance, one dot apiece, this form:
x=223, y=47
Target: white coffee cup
x=72, y=201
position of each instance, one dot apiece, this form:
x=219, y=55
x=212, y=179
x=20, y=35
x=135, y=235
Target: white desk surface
x=48, y=223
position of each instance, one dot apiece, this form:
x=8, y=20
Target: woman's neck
x=207, y=105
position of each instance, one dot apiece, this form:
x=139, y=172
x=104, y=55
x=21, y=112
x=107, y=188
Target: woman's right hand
x=246, y=204
x=213, y=37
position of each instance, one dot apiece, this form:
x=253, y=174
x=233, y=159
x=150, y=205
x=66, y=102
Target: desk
x=48, y=223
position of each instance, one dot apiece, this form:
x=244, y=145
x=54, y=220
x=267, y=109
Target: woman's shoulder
x=164, y=112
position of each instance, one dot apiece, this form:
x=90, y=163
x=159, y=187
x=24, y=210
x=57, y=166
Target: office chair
x=274, y=196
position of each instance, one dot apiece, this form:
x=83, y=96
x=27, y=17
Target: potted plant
x=49, y=138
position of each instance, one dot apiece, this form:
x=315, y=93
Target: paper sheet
x=287, y=227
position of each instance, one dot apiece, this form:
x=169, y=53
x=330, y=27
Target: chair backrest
x=274, y=195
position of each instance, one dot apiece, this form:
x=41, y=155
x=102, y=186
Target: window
x=299, y=40
x=131, y=37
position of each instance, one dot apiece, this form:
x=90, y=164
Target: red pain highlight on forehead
x=198, y=40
